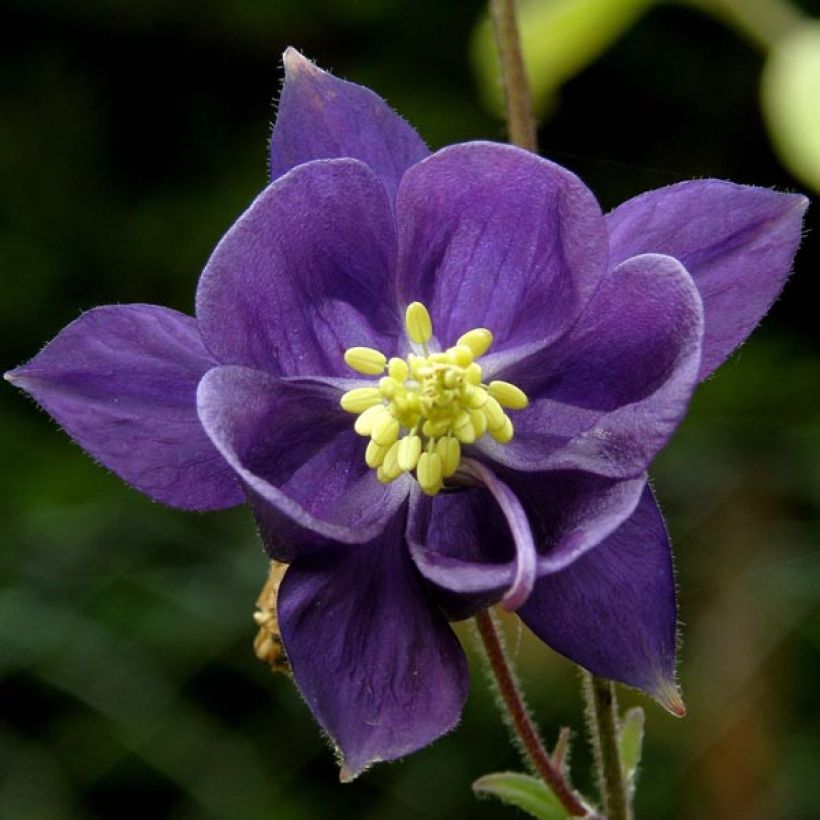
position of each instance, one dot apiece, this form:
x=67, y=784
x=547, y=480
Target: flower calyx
x=425, y=407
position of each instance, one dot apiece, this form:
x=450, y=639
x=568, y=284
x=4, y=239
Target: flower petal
x=738, y=243
x=323, y=117
x=304, y=274
x=461, y=542
x=493, y=236
x=373, y=658
x=607, y=396
x=297, y=455
x=613, y=611
x=121, y=380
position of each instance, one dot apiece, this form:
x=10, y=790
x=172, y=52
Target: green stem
x=602, y=714
x=517, y=97
x=519, y=720
x=763, y=22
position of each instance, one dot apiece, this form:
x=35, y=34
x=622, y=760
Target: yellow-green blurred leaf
x=559, y=38
x=630, y=742
x=523, y=791
x=791, y=102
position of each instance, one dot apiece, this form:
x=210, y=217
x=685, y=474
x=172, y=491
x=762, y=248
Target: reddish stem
x=520, y=720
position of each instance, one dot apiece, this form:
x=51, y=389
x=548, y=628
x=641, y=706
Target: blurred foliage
x=791, y=101
x=131, y=136
x=558, y=39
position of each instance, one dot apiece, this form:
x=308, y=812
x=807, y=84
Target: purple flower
x=515, y=358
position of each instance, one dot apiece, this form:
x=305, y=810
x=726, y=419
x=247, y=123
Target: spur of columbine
x=365, y=246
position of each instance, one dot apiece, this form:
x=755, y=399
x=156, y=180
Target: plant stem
x=519, y=719
x=763, y=22
x=602, y=714
x=517, y=97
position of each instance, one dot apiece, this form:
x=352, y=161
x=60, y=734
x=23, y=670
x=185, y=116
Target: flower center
x=426, y=406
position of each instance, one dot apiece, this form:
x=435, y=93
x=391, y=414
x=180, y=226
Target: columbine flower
x=514, y=358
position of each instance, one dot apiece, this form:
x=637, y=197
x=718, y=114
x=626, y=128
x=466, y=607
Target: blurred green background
x=131, y=136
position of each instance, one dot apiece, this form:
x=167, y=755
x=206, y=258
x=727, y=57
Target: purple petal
x=737, y=242
x=322, y=117
x=375, y=660
x=613, y=611
x=121, y=381
x=493, y=236
x=608, y=395
x=526, y=559
x=296, y=453
x=462, y=542
x=305, y=273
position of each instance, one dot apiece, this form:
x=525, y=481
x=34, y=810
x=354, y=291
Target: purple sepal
x=372, y=656
x=121, y=381
x=738, y=243
x=323, y=117
x=295, y=451
x=613, y=610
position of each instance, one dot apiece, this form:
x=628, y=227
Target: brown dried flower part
x=268, y=644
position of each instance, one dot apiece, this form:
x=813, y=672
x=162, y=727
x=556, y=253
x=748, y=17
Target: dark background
x=131, y=136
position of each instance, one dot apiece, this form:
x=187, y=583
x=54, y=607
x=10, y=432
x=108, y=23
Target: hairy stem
x=762, y=22
x=517, y=97
x=602, y=715
x=519, y=718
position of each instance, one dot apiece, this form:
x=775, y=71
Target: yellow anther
x=418, y=323
x=359, y=399
x=473, y=374
x=365, y=360
x=397, y=369
x=385, y=430
x=390, y=465
x=387, y=387
x=463, y=427
x=426, y=407
x=429, y=472
x=479, y=419
x=409, y=452
x=504, y=433
x=476, y=397
x=374, y=454
x=478, y=340
x=462, y=355
x=449, y=450
x=366, y=421
x=508, y=395
x=495, y=415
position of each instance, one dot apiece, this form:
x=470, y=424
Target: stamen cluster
x=426, y=406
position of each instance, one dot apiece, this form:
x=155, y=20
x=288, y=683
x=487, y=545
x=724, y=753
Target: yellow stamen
x=374, y=454
x=359, y=399
x=364, y=424
x=508, y=395
x=427, y=407
x=418, y=323
x=385, y=430
x=365, y=360
x=409, y=452
x=449, y=450
x=428, y=472
x=478, y=340
x=390, y=465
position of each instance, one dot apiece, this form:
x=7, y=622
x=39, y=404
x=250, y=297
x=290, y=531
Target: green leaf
x=790, y=94
x=523, y=791
x=630, y=741
x=559, y=38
